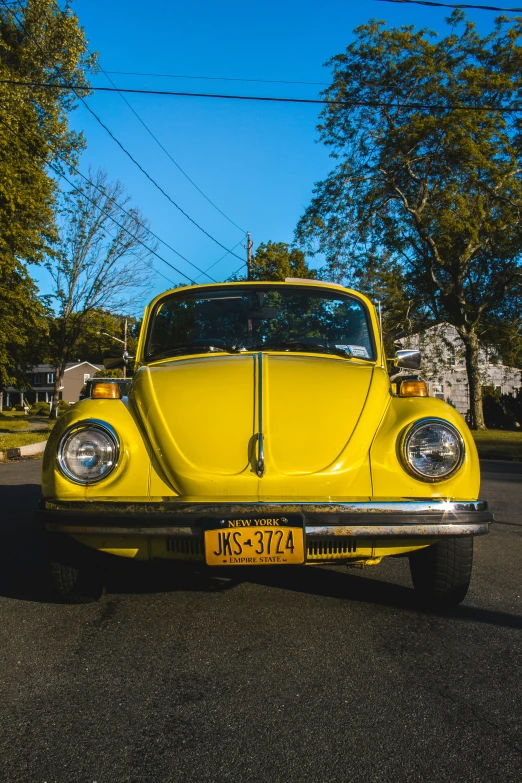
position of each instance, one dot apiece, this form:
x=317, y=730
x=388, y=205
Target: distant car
x=262, y=429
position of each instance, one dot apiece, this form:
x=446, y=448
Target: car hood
x=202, y=417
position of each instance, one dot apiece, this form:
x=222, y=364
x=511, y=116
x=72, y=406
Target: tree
x=96, y=265
x=428, y=171
x=94, y=339
x=38, y=42
x=23, y=329
x=276, y=260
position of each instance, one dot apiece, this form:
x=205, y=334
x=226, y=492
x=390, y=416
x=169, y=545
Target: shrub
x=117, y=373
x=497, y=414
x=513, y=404
x=40, y=409
x=64, y=406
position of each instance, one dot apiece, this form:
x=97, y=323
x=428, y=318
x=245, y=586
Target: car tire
x=73, y=580
x=441, y=573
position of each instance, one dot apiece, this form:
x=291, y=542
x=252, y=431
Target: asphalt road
x=318, y=674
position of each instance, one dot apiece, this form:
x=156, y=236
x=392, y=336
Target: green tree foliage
x=108, y=374
x=36, y=39
x=428, y=173
x=93, y=339
x=39, y=43
x=502, y=411
x=276, y=260
x=23, y=327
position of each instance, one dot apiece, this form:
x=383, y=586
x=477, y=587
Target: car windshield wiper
x=194, y=348
x=296, y=345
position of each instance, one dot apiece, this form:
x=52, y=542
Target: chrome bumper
x=369, y=519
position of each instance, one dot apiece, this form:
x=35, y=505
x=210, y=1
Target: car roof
x=290, y=282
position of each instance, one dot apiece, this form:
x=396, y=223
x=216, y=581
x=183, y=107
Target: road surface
x=318, y=674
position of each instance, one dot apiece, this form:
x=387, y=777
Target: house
x=42, y=386
x=444, y=366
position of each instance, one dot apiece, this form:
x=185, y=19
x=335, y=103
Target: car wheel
x=72, y=579
x=441, y=573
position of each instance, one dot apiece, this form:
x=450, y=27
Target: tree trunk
x=476, y=414
x=58, y=383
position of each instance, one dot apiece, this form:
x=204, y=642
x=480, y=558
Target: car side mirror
x=116, y=360
x=409, y=359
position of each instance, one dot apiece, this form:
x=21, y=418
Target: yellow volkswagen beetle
x=262, y=428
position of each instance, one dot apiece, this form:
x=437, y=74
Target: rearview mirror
x=263, y=314
x=409, y=359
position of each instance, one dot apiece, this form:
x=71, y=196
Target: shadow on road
x=23, y=576
x=25, y=580
x=354, y=587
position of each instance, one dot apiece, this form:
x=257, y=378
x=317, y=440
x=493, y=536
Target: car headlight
x=432, y=449
x=88, y=451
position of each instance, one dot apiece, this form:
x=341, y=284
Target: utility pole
x=249, y=246
x=125, y=346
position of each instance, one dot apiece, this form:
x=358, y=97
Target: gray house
x=42, y=386
x=444, y=367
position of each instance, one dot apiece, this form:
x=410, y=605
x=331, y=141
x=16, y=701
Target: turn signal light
x=413, y=389
x=106, y=391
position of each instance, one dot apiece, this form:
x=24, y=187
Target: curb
x=24, y=451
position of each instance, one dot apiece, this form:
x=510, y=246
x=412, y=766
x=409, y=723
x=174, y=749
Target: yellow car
x=262, y=428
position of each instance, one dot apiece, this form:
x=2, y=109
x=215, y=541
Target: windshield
x=235, y=319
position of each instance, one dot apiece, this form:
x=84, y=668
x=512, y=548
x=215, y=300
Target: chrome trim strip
x=173, y=508
x=260, y=467
x=431, y=530
x=402, y=531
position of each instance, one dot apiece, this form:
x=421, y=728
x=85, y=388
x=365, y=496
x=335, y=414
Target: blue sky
x=257, y=161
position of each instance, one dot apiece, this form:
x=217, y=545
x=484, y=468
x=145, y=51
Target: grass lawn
x=14, y=432
x=13, y=425
x=14, y=440
x=499, y=444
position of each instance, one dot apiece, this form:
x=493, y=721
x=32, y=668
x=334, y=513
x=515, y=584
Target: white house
x=444, y=366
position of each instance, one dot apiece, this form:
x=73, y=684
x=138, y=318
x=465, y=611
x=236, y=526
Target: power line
x=126, y=212
x=167, y=153
x=237, y=270
x=111, y=89
x=219, y=259
x=164, y=276
x=82, y=192
x=88, y=198
x=355, y=103
x=129, y=214
x=453, y=5
x=151, y=179
x=215, y=78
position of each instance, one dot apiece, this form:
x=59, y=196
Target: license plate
x=255, y=541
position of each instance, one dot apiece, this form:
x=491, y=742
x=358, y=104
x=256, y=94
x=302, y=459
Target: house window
x=86, y=377
x=50, y=377
x=437, y=390
x=499, y=389
x=37, y=379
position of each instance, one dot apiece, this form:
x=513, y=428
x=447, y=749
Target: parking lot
x=316, y=674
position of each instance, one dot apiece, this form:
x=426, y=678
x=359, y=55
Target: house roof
x=70, y=365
